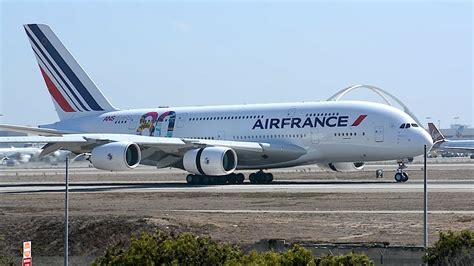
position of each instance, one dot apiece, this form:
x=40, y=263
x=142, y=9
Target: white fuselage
x=328, y=131
x=461, y=146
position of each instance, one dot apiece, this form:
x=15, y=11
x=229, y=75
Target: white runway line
x=324, y=212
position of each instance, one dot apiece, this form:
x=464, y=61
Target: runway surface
x=84, y=170
x=303, y=204
x=293, y=186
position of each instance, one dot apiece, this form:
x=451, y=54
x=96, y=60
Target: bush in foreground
x=6, y=260
x=189, y=249
x=452, y=248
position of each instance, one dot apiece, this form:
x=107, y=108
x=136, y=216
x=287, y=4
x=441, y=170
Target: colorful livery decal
x=151, y=124
x=147, y=123
x=159, y=123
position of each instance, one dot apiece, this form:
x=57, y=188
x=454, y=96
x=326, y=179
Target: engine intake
x=343, y=167
x=213, y=161
x=116, y=156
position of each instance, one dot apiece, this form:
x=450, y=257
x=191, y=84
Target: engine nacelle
x=213, y=161
x=116, y=156
x=343, y=167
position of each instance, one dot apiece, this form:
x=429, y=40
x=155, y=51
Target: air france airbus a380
x=211, y=143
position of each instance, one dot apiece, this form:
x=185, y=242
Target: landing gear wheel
x=212, y=180
x=252, y=178
x=198, y=179
x=190, y=179
x=399, y=177
x=240, y=178
x=231, y=179
x=260, y=177
x=405, y=177
x=268, y=178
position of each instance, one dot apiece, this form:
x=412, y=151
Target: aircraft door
x=379, y=135
x=132, y=125
x=182, y=119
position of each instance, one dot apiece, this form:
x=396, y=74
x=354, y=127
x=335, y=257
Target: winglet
x=436, y=135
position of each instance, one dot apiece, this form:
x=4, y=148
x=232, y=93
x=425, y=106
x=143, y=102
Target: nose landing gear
x=401, y=176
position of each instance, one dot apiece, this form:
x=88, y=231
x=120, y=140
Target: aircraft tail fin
x=74, y=94
x=459, y=132
x=436, y=135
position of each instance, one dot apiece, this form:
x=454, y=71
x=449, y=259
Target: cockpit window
x=408, y=125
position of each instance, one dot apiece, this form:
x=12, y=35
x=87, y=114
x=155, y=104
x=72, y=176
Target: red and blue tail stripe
x=58, y=97
x=69, y=74
x=73, y=96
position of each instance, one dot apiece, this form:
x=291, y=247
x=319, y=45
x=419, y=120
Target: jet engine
x=116, y=156
x=343, y=167
x=212, y=161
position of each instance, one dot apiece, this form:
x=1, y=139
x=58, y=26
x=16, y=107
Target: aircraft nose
x=425, y=139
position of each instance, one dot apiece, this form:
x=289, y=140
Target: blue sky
x=150, y=53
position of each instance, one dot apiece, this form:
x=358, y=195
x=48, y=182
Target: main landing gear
x=260, y=177
x=215, y=180
x=401, y=176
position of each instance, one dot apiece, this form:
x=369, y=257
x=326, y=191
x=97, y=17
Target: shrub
x=6, y=260
x=346, y=260
x=452, y=248
x=297, y=255
x=189, y=249
x=160, y=248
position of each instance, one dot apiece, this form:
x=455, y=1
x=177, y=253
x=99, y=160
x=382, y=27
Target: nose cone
x=422, y=138
x=425, y=139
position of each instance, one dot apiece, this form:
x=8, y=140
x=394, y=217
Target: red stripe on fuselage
x=58, y=97
x=359, y=120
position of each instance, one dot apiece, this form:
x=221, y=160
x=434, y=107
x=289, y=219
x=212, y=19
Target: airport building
x=458, y=131
x=9, y=134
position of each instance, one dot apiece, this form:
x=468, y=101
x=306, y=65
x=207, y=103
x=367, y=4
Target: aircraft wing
x=176, y=147
x=33, y=130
